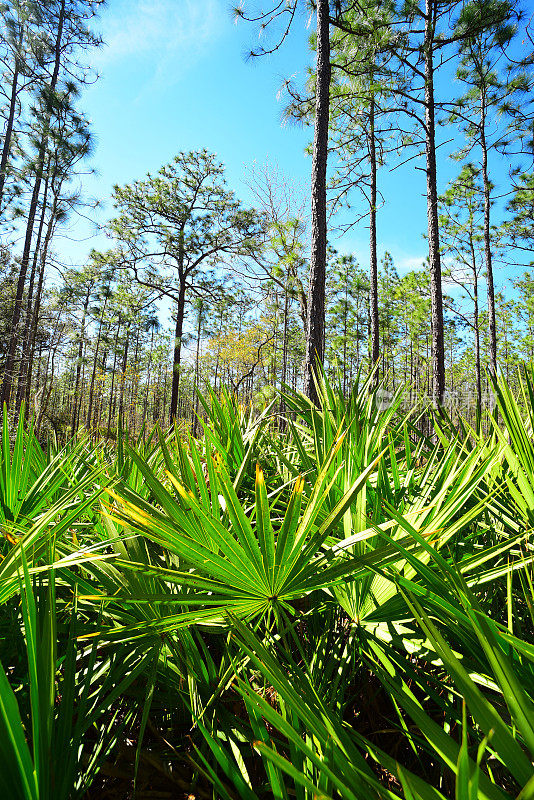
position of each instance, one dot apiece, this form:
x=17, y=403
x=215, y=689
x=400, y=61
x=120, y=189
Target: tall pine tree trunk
x=314, y=355
x=37, y=304
x=178, y=333
x=135, y=383
x=375, y=324
x=8, y=133
x=76, y=402
x=283, y=376
x=123, y=376
x=26, y=337
x=41, y=156
x=436, y=297
x=95, y=363
x=492, y=323
x=476, y=324
x=99, y=404
x=113, y=371
x=148, y=376
x=197, y=370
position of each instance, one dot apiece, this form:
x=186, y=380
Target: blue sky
x=173, y=77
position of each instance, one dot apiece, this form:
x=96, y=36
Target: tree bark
x=375, y=322
x=314, y=355
x=41, y=155
x=115, y=352
x=6, y=149
x=95, y=363
x=147, y=389
x=75, y=404
x=178, y=332
x=38, y=295
x=197, y=372
x=134, y=383
x=283, y=376
x=123, y=377
x=99, y=404
x=476, y=325
x=436, y=297
x=26, y=337
x=492, y=322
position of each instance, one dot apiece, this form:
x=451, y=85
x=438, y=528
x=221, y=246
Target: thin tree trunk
x=218, y=356
x=26, y=337
x=39, y=360
x=19, y=295
x=135, y=382
x=314, y=356
x=375, y=323
x=197, y=358
x=275, y=342
x=149, y=367
x=75, y=403
x=99, y=405
x=38, y=295
x=6, y=149
x=476, y=325
x=95, y=363
x=492, y=323
x=178, y=332
x=164, y=395
x=110, y=410
x=123, y=377
x=436, y=297
x=283, y=376
x=155, y=396
x=345, y=333
x=46, y=394
x=412, y=375
x=17, y=309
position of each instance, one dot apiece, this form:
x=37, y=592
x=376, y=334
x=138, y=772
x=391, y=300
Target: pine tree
x=174, y=225
x=489, y=109
x=462, y=239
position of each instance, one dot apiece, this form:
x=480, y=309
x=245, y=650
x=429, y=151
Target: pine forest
x=267, y=400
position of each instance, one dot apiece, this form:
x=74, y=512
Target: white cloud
x=405, y=264
x=170, y=35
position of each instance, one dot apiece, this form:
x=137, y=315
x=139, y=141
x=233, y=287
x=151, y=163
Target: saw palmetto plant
x=340, y=609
